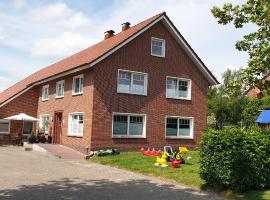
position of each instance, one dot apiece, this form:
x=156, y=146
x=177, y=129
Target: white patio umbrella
x=22, y=117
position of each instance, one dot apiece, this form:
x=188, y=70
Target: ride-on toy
x=161, y=161
x=176, y=157
x=148, y=152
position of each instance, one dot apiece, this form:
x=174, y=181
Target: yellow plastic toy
x=183, y=150
x=162, y=161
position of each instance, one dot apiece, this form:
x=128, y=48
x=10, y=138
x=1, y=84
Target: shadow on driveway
x=102, y=189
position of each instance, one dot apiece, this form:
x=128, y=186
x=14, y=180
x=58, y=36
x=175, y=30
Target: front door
x=57, y=132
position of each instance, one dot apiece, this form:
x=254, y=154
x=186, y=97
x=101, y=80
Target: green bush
x=32, y=138
x=236, y=159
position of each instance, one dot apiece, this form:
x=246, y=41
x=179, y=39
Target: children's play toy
x=176, y=163
x=148, y=152
x=180, y=153
x=176, y=157
x=162, y=161
x=168, y=151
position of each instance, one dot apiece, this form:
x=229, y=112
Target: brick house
x=255, y=91
x=144, y=86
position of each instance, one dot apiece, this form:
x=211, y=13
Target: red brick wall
x=68, y=104
x=25, y=103
x=100, y=98
x=136, y=57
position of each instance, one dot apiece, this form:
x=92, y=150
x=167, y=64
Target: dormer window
x=157, y=47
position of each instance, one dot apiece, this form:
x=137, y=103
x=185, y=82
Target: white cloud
x=65, y=44
x=60, y=15
x=19, y=4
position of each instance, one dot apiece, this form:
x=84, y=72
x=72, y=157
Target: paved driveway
x=33, y=175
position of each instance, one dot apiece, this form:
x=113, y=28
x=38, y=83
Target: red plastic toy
x=148, y=152
x=176, y=163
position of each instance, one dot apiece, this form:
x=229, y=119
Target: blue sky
x=35, y=33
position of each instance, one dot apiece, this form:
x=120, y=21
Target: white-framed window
x=178, y=88
x=4, y=126
x=75, y=124
x=179, y=127
x=45, y=92
x=60, y=89
x=77, y=86
x=44, y=123
x=131, y=82
x=129, y=125
x=157, y=47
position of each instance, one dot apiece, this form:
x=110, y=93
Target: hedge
x=236, y=159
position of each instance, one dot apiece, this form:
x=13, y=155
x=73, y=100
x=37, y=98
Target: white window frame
x=132, y=72
x=177, y=86
x=73, y=85
x=4, y=120
x=128, y=121
x=41, y=122
x=191, y=136
x=56, y=89
x=69, y=124
x=43, y=92
x=163, y=47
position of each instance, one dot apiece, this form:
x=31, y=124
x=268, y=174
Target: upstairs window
x=129, y=125
x=178, y=88
x=77, y=87
x=60, y=89
x=44, y=123
x=4, y=126
x=132, y=82
x=45, y=92
x=157, y=47
x=181, y=127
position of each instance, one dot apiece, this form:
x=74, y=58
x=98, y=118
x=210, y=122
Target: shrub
x=42, y=139
x=32, y=139
x=236, y=159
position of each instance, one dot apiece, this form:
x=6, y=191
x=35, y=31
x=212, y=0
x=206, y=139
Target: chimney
x=125, y=26
x=108, y=34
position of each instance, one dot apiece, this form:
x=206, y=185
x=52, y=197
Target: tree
x=225, y=102
x=256, y=44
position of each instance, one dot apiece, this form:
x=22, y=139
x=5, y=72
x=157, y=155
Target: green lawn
x=187, y=174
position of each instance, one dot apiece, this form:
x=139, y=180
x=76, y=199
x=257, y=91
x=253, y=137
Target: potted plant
x=49, y=139
x=42, y=138
x=46, y=125
x=32, y=138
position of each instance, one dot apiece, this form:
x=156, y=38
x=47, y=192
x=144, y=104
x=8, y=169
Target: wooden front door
x=57, y=132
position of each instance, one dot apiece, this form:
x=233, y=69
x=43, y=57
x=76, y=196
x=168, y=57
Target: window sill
x=4, y=133
x=132, y=93
x=43, y=100
x=60, y=97
x=77, y=94
x=159, y=56
x=128, y=137
x=179, y=137
x=179, y=98
x=77, y=136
